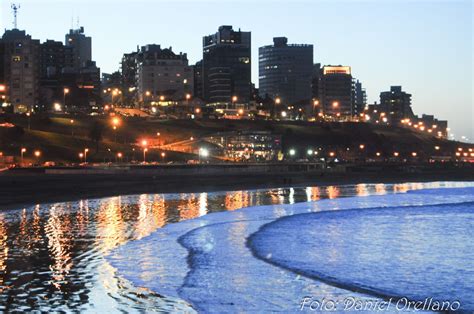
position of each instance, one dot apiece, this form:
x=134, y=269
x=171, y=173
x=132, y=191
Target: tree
x=95, y=134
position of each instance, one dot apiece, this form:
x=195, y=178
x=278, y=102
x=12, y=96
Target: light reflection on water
x=52, y=256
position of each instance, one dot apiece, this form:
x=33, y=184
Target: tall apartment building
x=162, y=74
x=21, y=69
x=226, y=66
x=359, y=98
x=396, y=104
x=79, y=49
x=285, y=71
x=52, y=62
x=335, y=91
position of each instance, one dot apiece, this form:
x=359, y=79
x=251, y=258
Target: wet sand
x=18, y=190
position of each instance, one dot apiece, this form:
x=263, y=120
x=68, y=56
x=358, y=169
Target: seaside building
x=128, y=72
x=335, y=92
x=79, y=49
x=359, y=98
x=285, y=71
x=162, y=75
x=52, y=63
x=21, y=70
x=248, y=145
x=226, y=66
x=396, y=104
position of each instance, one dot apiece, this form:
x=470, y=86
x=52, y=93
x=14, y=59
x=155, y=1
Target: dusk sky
x=425, y=46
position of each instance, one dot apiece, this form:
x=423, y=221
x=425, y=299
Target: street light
x=22, y=151
x=72, y=127
x=163, y=155
x=65, y=92
x=37, y=155
x=85, y=155
x=203, y=152
x=292, y=152
x=81, y=155
x=144, y=154
x=28, y=114
x=119, y=155
x=310, y=152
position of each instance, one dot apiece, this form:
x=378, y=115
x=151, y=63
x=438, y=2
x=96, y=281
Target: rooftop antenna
x=15, y=13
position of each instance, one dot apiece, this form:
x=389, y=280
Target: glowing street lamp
x=37, y=154
x=437, y=147
x=163, y=155
x=28, y=114
x=57, y=106
x=81, y=155
x=22, y=151
x=332, y=154
x=414, y=154
x=144, y=154
x=203, y=152
x=292, y=152
x=361, y=146
x=120, y=155
x=396, y=154
x=86, y=150
x=310, y=152
x=65, y=92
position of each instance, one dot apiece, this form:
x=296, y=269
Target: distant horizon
x=408, y=44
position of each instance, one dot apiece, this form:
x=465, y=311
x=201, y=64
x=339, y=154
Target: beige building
x=21, y=70
x=162, y=75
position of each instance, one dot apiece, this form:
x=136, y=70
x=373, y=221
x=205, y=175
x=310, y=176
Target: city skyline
x=417, y=65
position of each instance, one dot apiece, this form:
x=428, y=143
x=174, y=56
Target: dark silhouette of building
x=129, y=78
x=79, y=49
x=227, y=66
x=359, y=98
x=396, y=104
x=198, y=80
x=335, y=92
x=315, y=81
x=52, y=62
x=21, y=70
x=80, y=75
x=285, y=71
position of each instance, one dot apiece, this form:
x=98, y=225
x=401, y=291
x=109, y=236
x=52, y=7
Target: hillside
x=59, y=139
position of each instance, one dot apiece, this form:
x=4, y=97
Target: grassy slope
x=53, y=136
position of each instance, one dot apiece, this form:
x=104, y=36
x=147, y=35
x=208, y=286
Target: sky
x=425, y=46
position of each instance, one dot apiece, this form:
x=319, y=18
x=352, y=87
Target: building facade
x=52, y=63
x=21, y=70
x=335, y=92
x=79, y=49
x=163, y=75
x=226, y=66
x=359, y=98
x=285, y=71
x=396, y=104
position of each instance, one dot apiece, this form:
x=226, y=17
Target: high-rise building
x=52, y=62
x=285, y=71
x=79, y=50
x=359, y=98
x=227, y=66
x=396, y=104
x=335, y=91
x=21, y=69
x=162, y=74
x=129, y=78
x=198, y=80
x=315, y=81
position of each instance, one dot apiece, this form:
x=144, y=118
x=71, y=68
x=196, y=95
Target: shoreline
x=24, y=190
